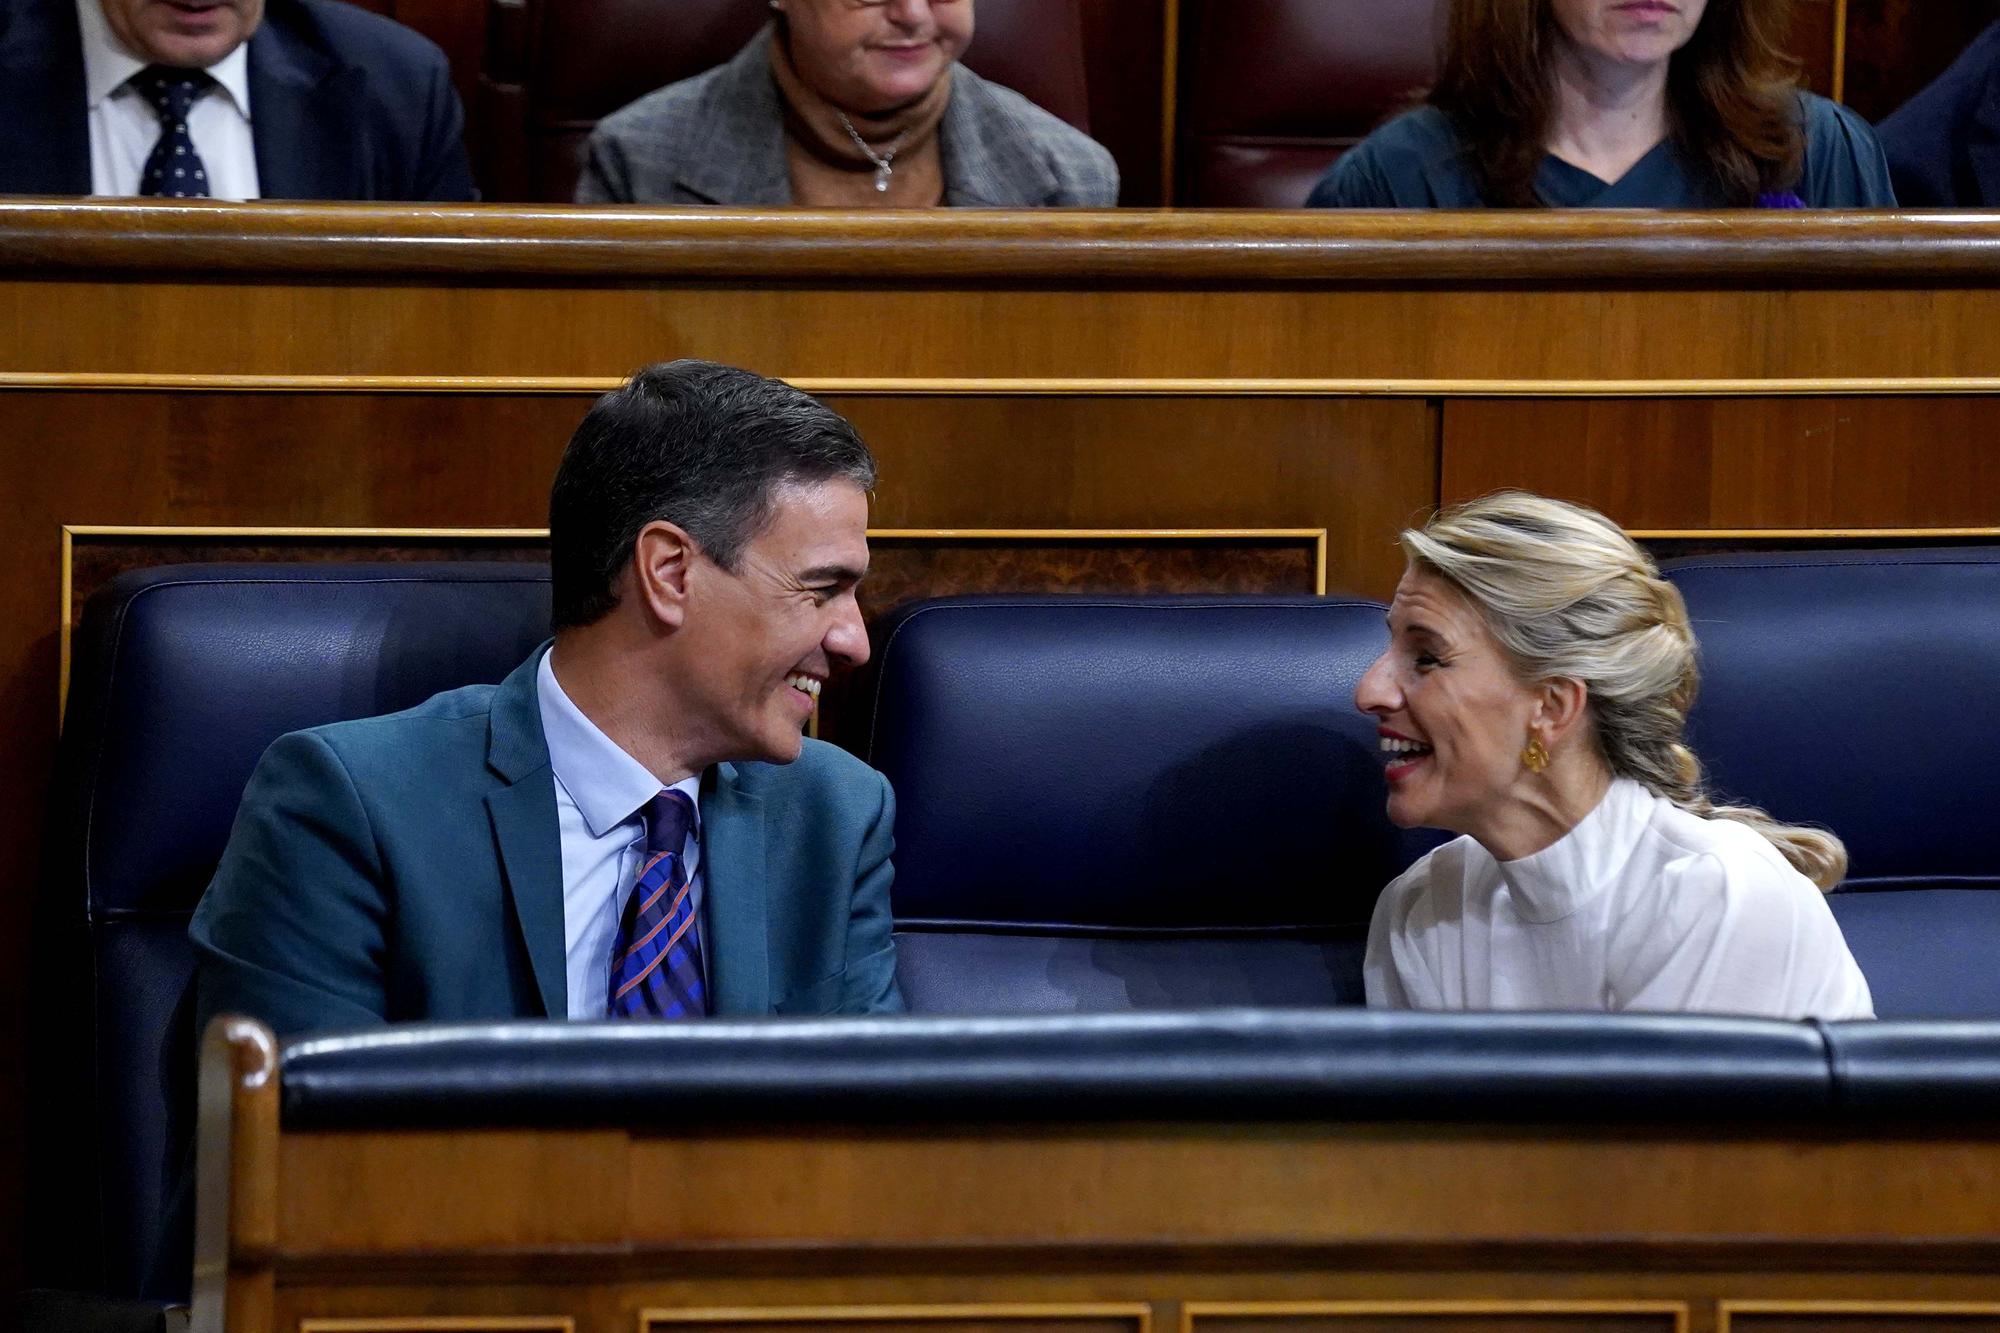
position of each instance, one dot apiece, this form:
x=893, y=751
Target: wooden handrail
x=621, y=246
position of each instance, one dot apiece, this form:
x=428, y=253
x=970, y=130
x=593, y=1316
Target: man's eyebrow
x=834, y=573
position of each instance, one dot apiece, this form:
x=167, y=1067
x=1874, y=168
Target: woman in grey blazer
x=847, y=106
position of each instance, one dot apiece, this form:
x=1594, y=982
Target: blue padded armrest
x=1917, y=1071
x=1237, y=1064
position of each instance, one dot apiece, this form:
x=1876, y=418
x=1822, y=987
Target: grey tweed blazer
x=719, y=138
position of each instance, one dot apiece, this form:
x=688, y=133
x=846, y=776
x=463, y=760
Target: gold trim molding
x=1139, y=1313
x=443, y=1323
x=1726, y=1311
x=1194, y=1310
x=1809, y=534
x=1084, y=387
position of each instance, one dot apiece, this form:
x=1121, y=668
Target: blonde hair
x=1567, y=594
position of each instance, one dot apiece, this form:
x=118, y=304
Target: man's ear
x=662, y=555
x=1558, y=708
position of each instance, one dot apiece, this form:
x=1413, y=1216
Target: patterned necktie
x=174, y=169
x=656, y=955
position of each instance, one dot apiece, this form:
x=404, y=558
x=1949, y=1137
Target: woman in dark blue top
x=1615, y=104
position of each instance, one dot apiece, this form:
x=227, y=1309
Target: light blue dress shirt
x=600, y=794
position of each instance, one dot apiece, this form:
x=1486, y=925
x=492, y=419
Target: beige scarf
x=829, y=171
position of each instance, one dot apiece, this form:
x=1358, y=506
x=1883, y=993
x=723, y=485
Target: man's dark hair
x=700, y=445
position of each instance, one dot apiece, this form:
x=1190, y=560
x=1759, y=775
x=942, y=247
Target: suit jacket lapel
x=986, y=164
x=733, y=888
x=45, y=148
x=736, y=148
x=525, y=829
x=310, y=144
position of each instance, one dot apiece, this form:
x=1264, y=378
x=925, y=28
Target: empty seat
x=1275, y=90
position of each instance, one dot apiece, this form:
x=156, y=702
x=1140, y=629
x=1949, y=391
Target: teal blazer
x=409, y=867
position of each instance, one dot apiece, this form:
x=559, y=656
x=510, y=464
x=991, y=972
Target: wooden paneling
x=1838, y=463
x=1442, y=1317
x=957, y=1318
x=1858, y=1317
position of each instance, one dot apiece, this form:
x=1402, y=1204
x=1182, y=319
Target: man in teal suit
x=476, y=856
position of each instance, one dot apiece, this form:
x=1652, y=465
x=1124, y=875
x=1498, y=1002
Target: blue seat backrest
x=1130, y=803
x=181, y=677
x=1855, y=690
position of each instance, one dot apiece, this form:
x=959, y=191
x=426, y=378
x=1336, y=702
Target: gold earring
x=1535, y=756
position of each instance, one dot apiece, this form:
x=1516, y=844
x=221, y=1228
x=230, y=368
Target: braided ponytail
x=1566, y=593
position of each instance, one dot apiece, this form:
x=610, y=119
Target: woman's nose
x=1375, y=692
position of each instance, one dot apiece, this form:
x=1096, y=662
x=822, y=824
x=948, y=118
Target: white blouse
x=1640, y=907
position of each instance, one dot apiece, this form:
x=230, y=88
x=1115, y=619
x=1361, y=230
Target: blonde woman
x=1533, y=698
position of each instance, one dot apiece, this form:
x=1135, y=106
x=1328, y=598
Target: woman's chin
x=1403, y=812
x=898, y=87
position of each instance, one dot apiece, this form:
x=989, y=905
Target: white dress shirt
x=1640, y=907
x=124, y=127
x=601, y=796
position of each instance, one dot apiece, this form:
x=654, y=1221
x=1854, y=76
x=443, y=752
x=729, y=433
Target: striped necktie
x=656, y=955
x=174, y=170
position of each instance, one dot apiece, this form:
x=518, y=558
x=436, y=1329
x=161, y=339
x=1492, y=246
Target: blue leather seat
x=1853, y=690
x=181, y=676
x=1132, y=803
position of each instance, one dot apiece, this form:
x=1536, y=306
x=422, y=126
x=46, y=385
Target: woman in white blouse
x=1533, y=698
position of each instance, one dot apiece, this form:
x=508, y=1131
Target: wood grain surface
x=1843, y=463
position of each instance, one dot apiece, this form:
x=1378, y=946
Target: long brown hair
x=1731, y=95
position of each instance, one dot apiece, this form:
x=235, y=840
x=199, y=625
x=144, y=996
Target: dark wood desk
x=1085, y=1226
x=1134, y=400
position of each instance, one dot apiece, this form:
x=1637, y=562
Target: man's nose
x=1375, y=691
x=847, y=638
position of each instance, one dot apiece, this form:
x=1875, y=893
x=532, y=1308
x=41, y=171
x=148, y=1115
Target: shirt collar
x=1569, y=872
x=107, y=65
x=608, y=785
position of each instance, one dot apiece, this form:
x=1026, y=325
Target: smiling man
x=630, y=825
x=225, y=99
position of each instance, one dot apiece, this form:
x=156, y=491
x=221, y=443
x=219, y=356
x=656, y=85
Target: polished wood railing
x=845, y=1214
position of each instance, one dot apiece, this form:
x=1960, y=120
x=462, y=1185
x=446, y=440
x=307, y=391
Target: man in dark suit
x=631, y=824
x=244, y=99
x=1944, y=143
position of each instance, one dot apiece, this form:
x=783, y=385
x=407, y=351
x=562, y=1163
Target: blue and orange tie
x=656, y=955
